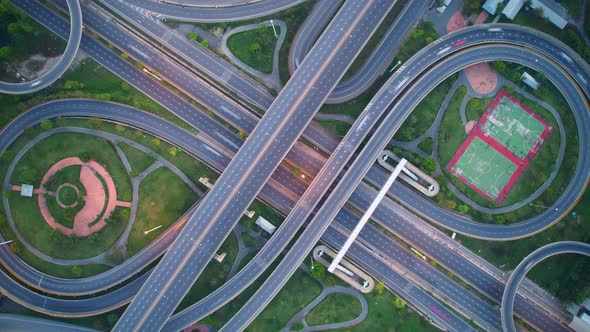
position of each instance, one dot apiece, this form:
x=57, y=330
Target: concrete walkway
x=243, y=250
x=300, y=316
x=103, y=257
x=271, y=79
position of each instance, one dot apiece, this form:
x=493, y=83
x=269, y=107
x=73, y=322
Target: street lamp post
x=397, y=64
x=273, y=29
x=151, y=230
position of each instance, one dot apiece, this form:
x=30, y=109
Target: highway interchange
x=506, y=53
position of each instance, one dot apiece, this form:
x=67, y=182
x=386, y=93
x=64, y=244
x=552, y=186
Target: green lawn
x=424, y=114
x=213, y=276
x=249, y=240
x=34, y=164
x=40, y=235
x=138, y=159
x=299, y=291
x=333, y=309
x=338, y=128
x=383, y=316
x=451, y=132
x=63, y=216
x=255, y=47
x=158, y=205
x=264, y=210
x=427, y=145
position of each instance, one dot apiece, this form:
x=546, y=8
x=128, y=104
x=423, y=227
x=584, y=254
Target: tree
x=46, y=124
x=192, y=36
x=173, y=151
x=125, y=86
x=95, y=123
x=242, y=134
x=429, y=166
x=296, y=171
x=77, y=270
x=255, y=48
x=84, y=156
x=498, y=66
x=449, y=203
x=379, y=287
x=120, y=128
x=463, y=208
x=6, y=52
x=399, y=303
x=298, y=326
x=317, y=270
x=125, y=55
x=156, y=141
x=417, y=33
x=205, y=43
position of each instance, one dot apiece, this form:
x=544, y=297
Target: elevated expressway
x=62, y=65
x=430, y=210
x=251, y=167
x=556, y=248
x=374, y=65
x=400, y=110
x=185, y=12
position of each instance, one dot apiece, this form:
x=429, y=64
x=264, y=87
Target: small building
x=529, y=80
x=491, y=6
x=26, y=190
x=512, y=8
x=265, y=225
x=250, y=213
x=552, y=11
x=581, y=321
x=205, y=182
x=220, y=257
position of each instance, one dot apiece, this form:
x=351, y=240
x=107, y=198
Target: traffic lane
x=310, y=30
x=213, y=15
x=26, y=323
x=73, y=42
x=249, y=162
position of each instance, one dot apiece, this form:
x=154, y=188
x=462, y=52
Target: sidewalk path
x=271, y=79
x=300, y=316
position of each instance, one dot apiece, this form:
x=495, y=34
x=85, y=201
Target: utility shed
x=26, y=190
x=553, y=11
x=512, y=8
x=265, y=225
x=529, y=80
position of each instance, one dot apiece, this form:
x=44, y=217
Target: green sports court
x=513, y=127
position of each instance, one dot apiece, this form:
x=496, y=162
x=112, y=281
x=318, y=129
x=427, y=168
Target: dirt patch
x=100, y=200
x=482, y=78
x=456, y=22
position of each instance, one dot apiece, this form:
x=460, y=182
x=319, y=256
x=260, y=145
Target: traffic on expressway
x=264, y=147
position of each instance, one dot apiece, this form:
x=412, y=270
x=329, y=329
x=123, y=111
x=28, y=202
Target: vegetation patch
x=138, y=159
x=427, y=145
x=424, y=114
x=158, y=205
x=255, y=47
x=213, y=276
x=338, y=128
x=334, y=308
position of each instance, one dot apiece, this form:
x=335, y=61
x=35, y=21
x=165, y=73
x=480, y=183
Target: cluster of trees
x=16, y=27
x=194, y=37
x=472, y=6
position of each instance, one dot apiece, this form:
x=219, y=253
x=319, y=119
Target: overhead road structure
x=187, y=13
x=509, y=295
x=430, y=210
x=380, y=138
x=92, y=53
x=177, y=136
x=61, y=66
x=377, y=61
x=251, y=167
